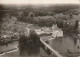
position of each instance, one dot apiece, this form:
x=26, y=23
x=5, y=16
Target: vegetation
x=31, y=40
x=1, y=12
x=15, y=19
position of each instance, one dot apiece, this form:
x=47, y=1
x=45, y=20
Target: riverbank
x=59, y=44
x=8, y=51
x=12, y=49
x=10, y=46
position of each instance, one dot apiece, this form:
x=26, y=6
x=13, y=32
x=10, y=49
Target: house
x=46, y=29
x=56, y=32
x=39, y=31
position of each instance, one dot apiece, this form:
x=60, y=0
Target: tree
x=30, y=17
x=31, y=14
x=34, y=38
x=1, y=12
x=61, y=16
x=76, y=26
x=23, y=41
x=1, y=16
x=31, y=40
x=21, y=16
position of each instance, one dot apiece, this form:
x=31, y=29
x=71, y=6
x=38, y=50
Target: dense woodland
x=65, y=16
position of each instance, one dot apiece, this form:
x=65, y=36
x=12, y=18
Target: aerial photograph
x=39, y=28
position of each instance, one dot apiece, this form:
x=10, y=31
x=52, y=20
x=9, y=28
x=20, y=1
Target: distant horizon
x=38, y=2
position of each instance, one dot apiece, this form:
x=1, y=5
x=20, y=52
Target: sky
x=20, y=2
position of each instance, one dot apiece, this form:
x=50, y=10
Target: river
x=13, y=50
x=62, y=45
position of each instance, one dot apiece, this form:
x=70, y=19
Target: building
x=56, y=32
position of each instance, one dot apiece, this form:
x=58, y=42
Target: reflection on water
x=24, y=51
x=29, y=51
x=78, y=42
x=60, y=44
x=75, y=41
x=65, y=43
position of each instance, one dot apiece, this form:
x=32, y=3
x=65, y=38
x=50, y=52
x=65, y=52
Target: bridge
x=50, y=48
